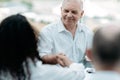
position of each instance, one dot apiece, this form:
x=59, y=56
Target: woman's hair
x=17, y=43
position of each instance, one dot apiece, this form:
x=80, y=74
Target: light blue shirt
x=54, y=39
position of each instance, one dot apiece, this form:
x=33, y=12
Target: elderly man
x=67, y=37
x=106, y=53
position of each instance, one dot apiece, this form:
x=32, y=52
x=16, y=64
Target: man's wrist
x=49, y=59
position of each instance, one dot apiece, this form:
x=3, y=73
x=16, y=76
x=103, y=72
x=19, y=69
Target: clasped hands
x=59, y=58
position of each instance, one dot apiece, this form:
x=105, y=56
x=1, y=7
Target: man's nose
x=69, y=14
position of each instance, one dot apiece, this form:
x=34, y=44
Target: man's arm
x=50, y=59
x=45, y=46
x=53, y=59
x=87, y=61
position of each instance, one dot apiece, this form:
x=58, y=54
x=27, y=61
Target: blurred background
x=43, y=12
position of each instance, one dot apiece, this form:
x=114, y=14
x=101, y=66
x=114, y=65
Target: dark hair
x=105, y=50
x=17, y=43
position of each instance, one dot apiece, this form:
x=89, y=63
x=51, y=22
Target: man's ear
x=89, y=54
x=82, y=13
x=61, y=9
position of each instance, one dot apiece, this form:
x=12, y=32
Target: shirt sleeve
x=44, y=43
x=89, y=40
x=52, y=72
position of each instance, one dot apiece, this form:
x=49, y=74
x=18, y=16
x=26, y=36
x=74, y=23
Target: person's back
x=17, y=44
x=106, y=53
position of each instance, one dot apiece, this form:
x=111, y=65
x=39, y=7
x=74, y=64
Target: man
x=106, y=53
x=67, y=37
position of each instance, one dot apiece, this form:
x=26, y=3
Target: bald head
x=80, y=2
x=110, y=31
x=106, y=44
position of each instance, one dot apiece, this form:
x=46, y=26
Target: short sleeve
x=89, y=39
x=44, y=43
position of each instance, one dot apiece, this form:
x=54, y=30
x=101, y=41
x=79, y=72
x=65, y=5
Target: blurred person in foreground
x=66, y=37
x=19, y=58
x=17, y=45
x=105, y=53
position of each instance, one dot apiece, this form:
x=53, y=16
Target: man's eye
x=74, y=12
x=66, y=11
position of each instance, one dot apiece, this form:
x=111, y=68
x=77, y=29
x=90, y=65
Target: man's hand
x=63, y=60
x=59, y=58
x=51, y=59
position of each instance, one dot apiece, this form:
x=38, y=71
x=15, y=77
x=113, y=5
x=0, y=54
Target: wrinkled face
x=71, y=13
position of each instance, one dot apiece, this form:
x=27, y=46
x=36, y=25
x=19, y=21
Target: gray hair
x=79, y=1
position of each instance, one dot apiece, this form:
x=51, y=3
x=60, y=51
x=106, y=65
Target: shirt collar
x=61, y=27
x=80, y=27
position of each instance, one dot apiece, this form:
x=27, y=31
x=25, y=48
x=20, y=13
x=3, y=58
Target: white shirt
x=39, y=71
x=54, y=38
x=103, y=75
x=53, y=72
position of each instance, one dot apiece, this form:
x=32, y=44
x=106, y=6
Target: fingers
x=61, y=57
x=62, y=54
x=60, y=61
x=64, y=60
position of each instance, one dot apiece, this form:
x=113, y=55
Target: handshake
x=59, y=58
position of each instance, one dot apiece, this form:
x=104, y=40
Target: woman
x=17, y=44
